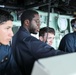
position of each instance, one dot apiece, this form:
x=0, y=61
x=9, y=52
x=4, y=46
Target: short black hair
x=5, y=16
x=73, y=21
x=46, y=30
x=28, y=14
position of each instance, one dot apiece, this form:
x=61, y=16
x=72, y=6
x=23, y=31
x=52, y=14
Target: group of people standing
x=19, y=57
x=67, y=43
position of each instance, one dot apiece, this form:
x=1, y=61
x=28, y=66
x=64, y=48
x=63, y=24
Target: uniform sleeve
x=39, y=49
x=67, y=44
x=62, y=45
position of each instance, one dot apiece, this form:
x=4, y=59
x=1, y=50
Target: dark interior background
x=59, y=6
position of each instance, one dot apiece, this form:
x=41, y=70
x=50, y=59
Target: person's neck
x=0, y=43
x=26, y=28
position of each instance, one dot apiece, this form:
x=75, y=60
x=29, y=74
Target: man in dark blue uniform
x=68, y=42
x=8, y=65
x=26, y=48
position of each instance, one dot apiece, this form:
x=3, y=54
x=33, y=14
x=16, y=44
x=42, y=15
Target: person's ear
x=26, y=22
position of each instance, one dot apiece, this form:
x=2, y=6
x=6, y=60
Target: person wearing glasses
x=26, y=48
